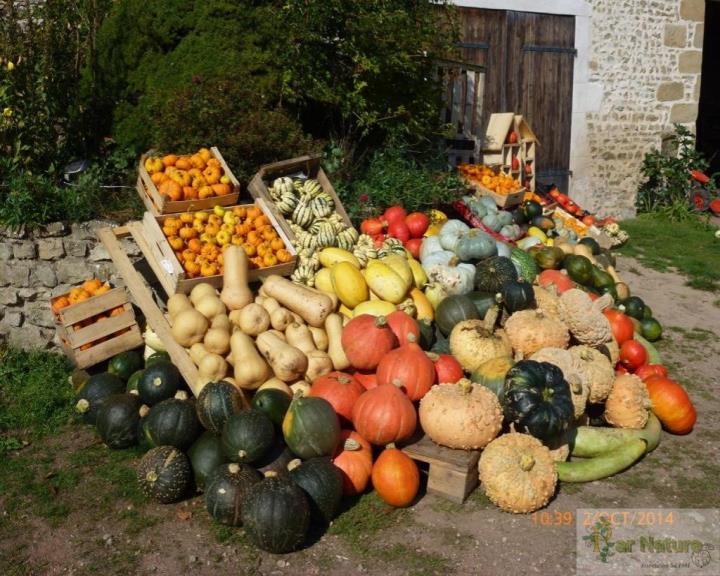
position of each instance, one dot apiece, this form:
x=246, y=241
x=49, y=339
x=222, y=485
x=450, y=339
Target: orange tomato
x=116, y=311
x=195, y=245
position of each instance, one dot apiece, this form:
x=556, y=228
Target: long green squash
x=591, y=441
x=653, y=354
x=602, y=466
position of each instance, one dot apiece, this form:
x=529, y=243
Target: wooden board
x=144, y=299
x=452, y=473
x=158, y=204
x=171, y=274
x=308, y=165
x=502, y=200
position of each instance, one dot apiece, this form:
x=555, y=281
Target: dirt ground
x=75, y=509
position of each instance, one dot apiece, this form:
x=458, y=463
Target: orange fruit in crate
x=187, y=232
x=158, y=178
x=190, y=193
x=116, y=311
x=171, y=189
x=205, y=154
x=195, y=245
x=221, y=189
x=284, y=255
x=103, y=289
x=79, y=295
x=186, y=218
x=183, y=163
x=91, y=285
x=209, y=269
x=212, y=174
x=197, y=161
x=205, y=192
x=59, y=304
x=169, y=160
x=270, y=259
x=176, y=243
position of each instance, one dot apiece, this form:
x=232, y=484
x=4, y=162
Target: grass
x=690, y=247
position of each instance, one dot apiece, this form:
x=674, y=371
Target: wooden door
x=529, y=61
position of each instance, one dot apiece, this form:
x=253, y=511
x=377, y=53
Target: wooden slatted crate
x=308, y=166
x=88, y=345
x=158, y=204
x=170, y=272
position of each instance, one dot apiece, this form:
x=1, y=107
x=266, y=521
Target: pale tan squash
x=189, y=327
x=319, y=364
x=201, y=291
x=313, y=306
x=276, y=384
x=251, y=369
x=212, y=367
x=210, y=306
x=197, y=352
x=235, y=293
x=221, y=321
x=281, y=318
x=178, y=303
x=253, y=319
x=299, y=335
x=319, y=337
x=333, y=328
x=217, y=341
x=288, y=363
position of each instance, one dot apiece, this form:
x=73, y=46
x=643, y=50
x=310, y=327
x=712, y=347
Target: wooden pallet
x=143, y=298
x=452, y=474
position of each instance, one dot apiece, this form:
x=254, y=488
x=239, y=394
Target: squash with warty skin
x=247, y=436
x=227, y=488
x=311, y=427
x=599, y=372
x=216, y=402
x=323, y=483
x=118, y=419
x=205, y=456
x=584, y=317
x=573, y=373
x=628, y=403
x=172, y=422
x=530, y=331
x=164, y=474
x=473, y=342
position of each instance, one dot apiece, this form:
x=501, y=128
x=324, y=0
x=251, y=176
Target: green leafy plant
x=668, y=185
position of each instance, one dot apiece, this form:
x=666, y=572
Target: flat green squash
x=311, y=427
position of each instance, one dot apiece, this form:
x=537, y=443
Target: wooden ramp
x=452, y=473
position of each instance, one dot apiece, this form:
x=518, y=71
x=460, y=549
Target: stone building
x=635, y=69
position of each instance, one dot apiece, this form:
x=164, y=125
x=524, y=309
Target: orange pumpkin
x=188, y=255
x=171, y=189
x=212, y=174
x=195, y=245
x=239, y=211
x=187, y=232
x=354, y=459
x=205, y=154
x=91, y=285
x=190, y=193
x=209, y=269
x=221, y=189
x=183, y=163
x=158, y=178
x=192, y=268
x=59, y=303
x=186, y=218
x=78, y=294
x=250, y=250
x=269, y=259
x=283, y=255
x=396, y=477
x=116, y=311
x=103, y=289
x=213, y=162
x=169, y=160
x=197, y=161
x=277, y=244
x=205, y=192
x=176, y=243
x=384, y=414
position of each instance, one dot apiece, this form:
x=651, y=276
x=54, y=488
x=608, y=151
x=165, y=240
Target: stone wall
x=34, y=266
x=645, y=59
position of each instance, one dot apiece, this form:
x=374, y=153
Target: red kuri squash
x=671, y=404
x=396, y=477
x=621, y=324
x=341, y=390
x=384, y=414
x=409, y=368
x=367, y=379
x=403, y=326
x=355, y=461
x=447, y=368
x=366, y=339
x=633, y=355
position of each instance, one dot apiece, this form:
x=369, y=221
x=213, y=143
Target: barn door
x=529, y=61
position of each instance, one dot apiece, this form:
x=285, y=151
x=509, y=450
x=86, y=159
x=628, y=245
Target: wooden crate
x=307, y=165
x=502, y=200
x=452, y=474
x=171, y=274
x=73, y=341
x=158, y=204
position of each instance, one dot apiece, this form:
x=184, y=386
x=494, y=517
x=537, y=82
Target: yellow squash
x=331, y=256
x=424, y=309
x=399, y=265
x=419, y=276
x=374, y=308
x=385, y=282
x=323, y=280
x=349, y=284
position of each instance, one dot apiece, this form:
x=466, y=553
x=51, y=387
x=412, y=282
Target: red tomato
x=399, y=230
x=648, y=370
x=671, y=404
x=417, y=223
x=589, y=220
x=621, y=324
x=371, y=227
x=633, y=355
x=512, y=137
x=393, y=214
x=447, y=368
x=414, y=245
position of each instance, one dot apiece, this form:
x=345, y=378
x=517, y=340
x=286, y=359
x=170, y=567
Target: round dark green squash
x=543, y=222
x=247, y=436
x=216, y=402
x=530, y=209
x=132, y=383
x=158, y=382
x=592, y=243
x=650, y=329
x=634, y=307
x=427, y=333
x=173, y=422
x=94, y=391
x=117, y=420
x=205, y=455
x=483, y=301
x=311, y=427
x=276, y=515
x=491, y=374
x=164, y=474
x=579, y=268
x=125, y=364
x=647, y=313
x=601, y=279
x=322, y=481
x=537, y=399
x=276, y=459
x=454, y=309
x=493, y=273
x=517, y=296
x=226, y=491
x=274, y=403
x=549, y=257
x=157, y=357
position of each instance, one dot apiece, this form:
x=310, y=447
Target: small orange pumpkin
x=212, y=174
x=169, y=160
x=396, y=477
x=183, y=163
x=205, y=192
x=60, y=303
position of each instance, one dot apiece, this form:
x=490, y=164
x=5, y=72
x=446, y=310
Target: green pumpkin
x=205, y=455
x=648, y=313
x=164, y=474
x=548, y=257
x=592, y=243
x=491, y=374
x=276, y=515
x=525, y=265
x=505, y=217
x=247, y=436
x=651, y=329
x=579, y=269
x=633, y=307
x=125, y=364
x=276, y=459
x=427, y=333
x=226, y=491
x=172, y=422
x=158, y=382
x=483, y=301
x=517, y=296
x=94, y=391
x=530, y=209
x=322, y=482
x=216, y=402
x=132, y=383
x=311, y=428
x=537, y=399
x=475, y=245
x=452, y=310
x=544, y=223
x=601, y=279
x=493, y=273
x=117, y=420
x=274, y=403
x=492, y=221
x=157, y=357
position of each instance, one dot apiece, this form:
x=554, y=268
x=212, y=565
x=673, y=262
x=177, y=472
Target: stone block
x=24, y=250
x=53, y=229
x=30, y=337
x=39, y=316
x=683, y=113
x=690, y=62
x=43, y=273
x=71, y=271
x=51, y=248
x=131, y=249
x=15, y=233
x=675, y=35
x=668, y=91
x=699, y=35
x=28, y=294
x=76, y=247
x=17, y=273
x=692, y=10
x=8, y=296
x=99, y=253
x=13, y=318
x=86, y=230
x=6, y=251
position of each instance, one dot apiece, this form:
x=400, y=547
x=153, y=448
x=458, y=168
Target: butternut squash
x=197, y=352
x=333, y=328
x=253, y=319
x=276, y=384
x=176, y=304
x=319, y=337
x=212, y=367
x=251, y=370
x=217, y=341
x=288, y=363
x=313, y=306
x=189, y=327
x=333, y=297
x=221, y=321
x=235, y=293
x=319, y=364
x=281, y=318
x=210, y=306
x=299, y=335
x=270, y=304
x=300, y=387
x=201, y=291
